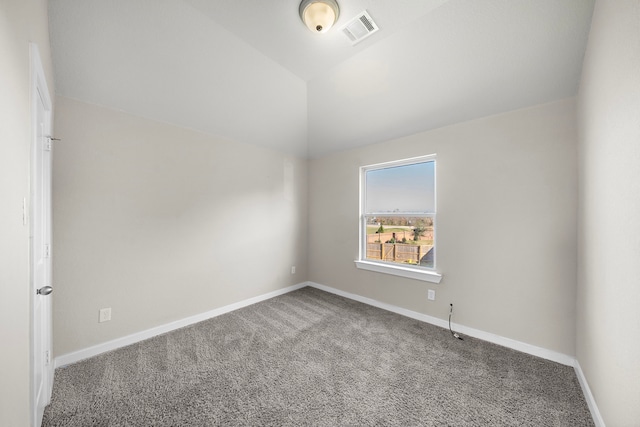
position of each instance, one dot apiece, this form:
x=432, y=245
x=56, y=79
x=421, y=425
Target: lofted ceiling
x=250, y=71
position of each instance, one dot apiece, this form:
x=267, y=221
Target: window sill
x=411, y=273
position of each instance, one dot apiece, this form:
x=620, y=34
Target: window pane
x=409, y=188
x=401, y=240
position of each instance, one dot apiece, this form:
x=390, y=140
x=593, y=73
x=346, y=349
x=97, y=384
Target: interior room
x=208, y=156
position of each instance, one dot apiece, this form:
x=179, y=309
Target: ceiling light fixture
x=319, y=15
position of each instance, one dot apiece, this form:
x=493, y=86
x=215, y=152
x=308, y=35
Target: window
x=398, y=218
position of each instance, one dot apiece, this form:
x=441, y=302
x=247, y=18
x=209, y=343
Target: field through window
x=403, y=240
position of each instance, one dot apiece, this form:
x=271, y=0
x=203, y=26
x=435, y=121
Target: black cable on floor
x=455, y=334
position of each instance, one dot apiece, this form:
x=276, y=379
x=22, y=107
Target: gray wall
x=161, y=223
x=608, y=323
x=21, y=22
x=506, y=232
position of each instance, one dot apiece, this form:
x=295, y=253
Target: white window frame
x=409, y=271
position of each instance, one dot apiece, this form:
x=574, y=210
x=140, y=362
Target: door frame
x=38, y=89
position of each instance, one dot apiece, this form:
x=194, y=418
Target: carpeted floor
x=310, y=358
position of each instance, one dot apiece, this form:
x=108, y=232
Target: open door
x=40, y=247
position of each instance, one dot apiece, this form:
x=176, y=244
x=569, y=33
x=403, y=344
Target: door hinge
x=47, y=357
x=47, y=250
x=49, y=142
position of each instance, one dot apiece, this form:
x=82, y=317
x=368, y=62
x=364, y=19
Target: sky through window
x=407, y=188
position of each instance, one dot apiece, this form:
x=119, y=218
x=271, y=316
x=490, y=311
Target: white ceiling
x=275, y=29
x=250, y=71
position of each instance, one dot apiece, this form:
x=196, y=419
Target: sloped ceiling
x=250, y=71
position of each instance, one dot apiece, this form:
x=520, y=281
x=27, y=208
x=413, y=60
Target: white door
x=41, y=364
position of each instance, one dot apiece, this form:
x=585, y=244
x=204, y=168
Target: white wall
x=161, y=223
x=608, y=323
x=506, y=233
x=21, y=21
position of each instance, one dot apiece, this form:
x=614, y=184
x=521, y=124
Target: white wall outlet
x=105, y=315
x=293, y=269
x=431, y=295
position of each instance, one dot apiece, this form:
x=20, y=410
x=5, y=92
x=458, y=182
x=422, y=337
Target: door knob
x=45, y=290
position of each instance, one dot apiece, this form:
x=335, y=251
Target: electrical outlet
x=293, y=269
x=431, y=295
x=105, y=315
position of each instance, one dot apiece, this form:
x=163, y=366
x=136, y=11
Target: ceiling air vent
x=359, y=28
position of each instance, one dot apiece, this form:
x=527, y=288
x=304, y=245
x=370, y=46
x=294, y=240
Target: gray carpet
x=310, y=358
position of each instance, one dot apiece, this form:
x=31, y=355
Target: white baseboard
x=465, y=330
x=588, y=396
x=486, y=336
x=95, y=350
x=544, y=353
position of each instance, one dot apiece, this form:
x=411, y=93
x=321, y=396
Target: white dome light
x=319, y=15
